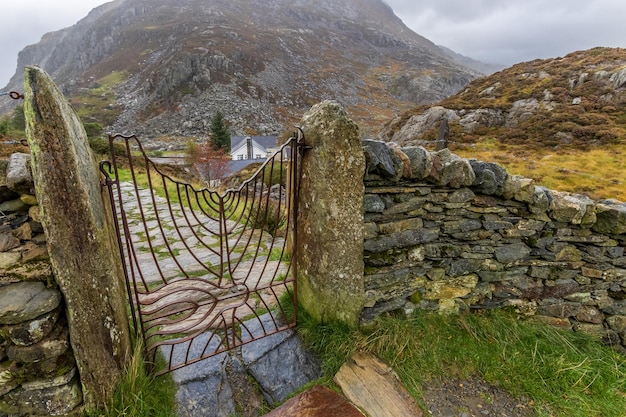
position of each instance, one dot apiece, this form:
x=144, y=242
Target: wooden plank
x=373, y=386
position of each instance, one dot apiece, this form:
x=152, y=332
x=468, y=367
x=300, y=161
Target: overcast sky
x=495, y=31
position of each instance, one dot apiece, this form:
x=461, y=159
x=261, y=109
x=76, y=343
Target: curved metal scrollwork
x=206, y=270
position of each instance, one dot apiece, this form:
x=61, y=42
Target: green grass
x=564, y=373
x=169, y=189
x=140, y=394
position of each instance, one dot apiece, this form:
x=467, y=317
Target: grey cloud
x=511, y=31
x=24, y=22
x=496, y=31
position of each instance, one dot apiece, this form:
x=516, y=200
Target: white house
x=252, y=147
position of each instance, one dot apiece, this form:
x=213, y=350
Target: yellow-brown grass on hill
x=596, y=172
x=7, y=149
x=569, y=136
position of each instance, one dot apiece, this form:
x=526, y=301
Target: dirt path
x=473, y=398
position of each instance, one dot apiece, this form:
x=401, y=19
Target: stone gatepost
x=330, y=217
x=85, y=262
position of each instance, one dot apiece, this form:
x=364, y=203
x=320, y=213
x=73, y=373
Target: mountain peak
x=164, y=67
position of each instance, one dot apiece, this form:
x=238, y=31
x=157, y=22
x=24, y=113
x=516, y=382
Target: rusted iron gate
x=205, y=271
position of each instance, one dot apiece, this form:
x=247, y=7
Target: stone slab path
x=238, y=382
x=176, y=256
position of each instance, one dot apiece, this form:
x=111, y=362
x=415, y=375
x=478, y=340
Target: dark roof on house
x=235, y=166
x=265, y=141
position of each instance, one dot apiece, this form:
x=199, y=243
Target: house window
x=258, y=156
x=240, y=157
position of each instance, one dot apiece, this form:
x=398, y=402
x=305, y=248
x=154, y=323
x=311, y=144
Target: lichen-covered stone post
x=84, y=262
x=330, y=217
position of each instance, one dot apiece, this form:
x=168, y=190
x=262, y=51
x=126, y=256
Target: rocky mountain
x=164, y=67
x=574, y=101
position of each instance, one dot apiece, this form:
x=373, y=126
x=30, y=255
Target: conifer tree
x=220, y=136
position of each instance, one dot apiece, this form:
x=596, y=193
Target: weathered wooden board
x=373, y=386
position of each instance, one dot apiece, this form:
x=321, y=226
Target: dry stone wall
x=450, y=234
x=37, y=367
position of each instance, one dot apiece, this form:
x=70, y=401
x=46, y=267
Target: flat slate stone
x=372, y=385
x=207, y=398
x=206, y=368
x=257, y=328
x=13, y=206
x=9, y=260
x=8, y=241
x=24, y=301
x=33, y=331
x=52, y=346
x=19, y=178
x=279, y=363
x=317, y=402
x=57, y=400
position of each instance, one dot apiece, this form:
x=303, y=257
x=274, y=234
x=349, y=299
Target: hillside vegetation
x=561, y=121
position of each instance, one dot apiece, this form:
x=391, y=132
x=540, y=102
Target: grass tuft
x=140, y=394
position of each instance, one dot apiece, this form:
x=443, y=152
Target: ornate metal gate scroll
x=205, y=271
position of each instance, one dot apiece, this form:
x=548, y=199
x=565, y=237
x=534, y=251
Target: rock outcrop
x=553, y=102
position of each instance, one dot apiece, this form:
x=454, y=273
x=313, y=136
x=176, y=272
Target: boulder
x=380, y=158
x=417, y=125
x=451, y=170
x=521, y=110
x=421, y=161
x=474, y=119
x=19, y=177
x=610, y=217
x=490, y=177
x=572, y=208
